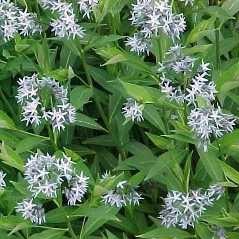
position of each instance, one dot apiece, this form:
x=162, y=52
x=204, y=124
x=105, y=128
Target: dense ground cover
x=118, y=119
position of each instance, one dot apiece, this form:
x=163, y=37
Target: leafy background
x=157, y=154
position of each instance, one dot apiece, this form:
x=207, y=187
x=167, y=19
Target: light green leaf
x=48, y=234
x=166, y=233
x=80, y=96
x=5, y=121
x=87, y=122
x=11, y=157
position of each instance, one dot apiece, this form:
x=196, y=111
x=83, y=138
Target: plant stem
x=53, y=139
x=82, y=227
x=71, y=231
x=8, y=104
x=90, y=82
x=217, y=35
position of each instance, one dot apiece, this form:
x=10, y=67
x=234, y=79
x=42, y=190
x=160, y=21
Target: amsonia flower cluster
x=184, y=209
x=122, y=195
x=187, y=2
x=15, y=21
x=207, y=122
x=2, y=180
x=87, y=6
x=47, y=175
x=65, y=24
x=132, y=110
x=205, y=119
x=32, y=211
x=152, y=18
x=44, y=100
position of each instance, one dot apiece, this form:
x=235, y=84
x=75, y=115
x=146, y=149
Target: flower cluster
x=65, y=25
x=13, y=20
x=206, y=120
x=2, y=181
x=77, y=188
x=132, y=110
x=184, y=209
x=122, y=195
x=176, y=61
x=32, y=211
x=219, y=233
x=187, y=2
x=87, y=6
x=172, y=92
x=45, y=175
x=152, y=18
x=36, y=108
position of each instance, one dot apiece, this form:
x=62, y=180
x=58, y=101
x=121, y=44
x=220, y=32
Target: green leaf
x=166, y=162
x=151, y=114
x=13, y=223
x=29, y=143
x=228, y=79
x=97, y=217
x=169, y=233
x=159, y=141
x=230, y=172
x=5, y=121
x=212, y=165
x=201, y=30
x=48, y=234
x=231, y=6
x=80, y=96
x=87, y=122
x=11, y=157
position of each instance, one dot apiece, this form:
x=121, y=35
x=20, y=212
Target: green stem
x=71, y=231
x=90, y=82
x=52, y=138
x=217, y=35
x=30, y=134
x=82, y=227
x=51, y=228
x=8, y=104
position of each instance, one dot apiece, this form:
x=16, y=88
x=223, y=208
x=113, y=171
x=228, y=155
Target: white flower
x=132, y=110
x=184, y=209
x=201, y=86
x=13, y=21
x=35, y=111
x=45, y=173
x=177, y=61
x=2, y=181
x=65, y=25
x=77, y=187
x=171, y=92
x=122, y=195
x=134, y=198
x=87, y=6
x=107, y=175
x=220, y=233
x=187, y=2
x=27, y=23
x=153, y=17
x=32, y=211
x=138, y=43
x=207, y=122
x=114, y=199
